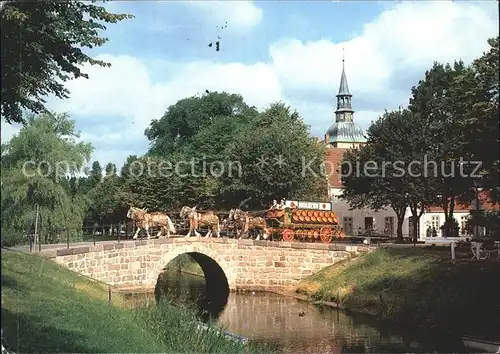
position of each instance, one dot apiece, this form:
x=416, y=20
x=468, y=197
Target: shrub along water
x=47, y=308
x=416, y=287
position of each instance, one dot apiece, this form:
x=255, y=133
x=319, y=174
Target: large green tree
x=35, y=166
x=443, y=101
x=43, y=46
x=369, y=182
x=278, y=158
x=482, y=129
x=211, y=146
x=106, y=207
x=198, y=124
x=397, y=146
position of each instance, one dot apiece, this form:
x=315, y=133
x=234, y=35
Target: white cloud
x=8, y=130
x=408, y=36
x=127, y=95
x=240, y=16
x=389, y=56
x=391, y=53
x=126, y=88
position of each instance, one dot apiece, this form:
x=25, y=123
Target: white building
x=435, y=217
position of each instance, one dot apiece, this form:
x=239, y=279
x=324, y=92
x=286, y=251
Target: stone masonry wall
x=247, y=264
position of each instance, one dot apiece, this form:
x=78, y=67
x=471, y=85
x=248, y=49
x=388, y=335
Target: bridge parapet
x=246, y=264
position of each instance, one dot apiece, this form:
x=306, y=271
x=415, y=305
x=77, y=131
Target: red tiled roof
x=333, y=160
x=484, y=201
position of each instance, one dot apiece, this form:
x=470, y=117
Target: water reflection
x=274, y=319
x=190, y=289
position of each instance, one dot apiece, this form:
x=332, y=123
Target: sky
x=289, y=51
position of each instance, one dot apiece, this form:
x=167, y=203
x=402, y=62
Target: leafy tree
x=400, y=138
x=42, y=46
x=106, y=206
x=369, y=182
x=490, y=219
x=110, y=169
x=482, y=126
x=278, y=159
x=177, y=129
x=34, y=165
x=442, y=100
x=206, y=158
x=127, y=166
x=150, y=184
x=95, y=175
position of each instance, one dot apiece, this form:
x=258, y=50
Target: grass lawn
x=47, y=308
x=414, y=286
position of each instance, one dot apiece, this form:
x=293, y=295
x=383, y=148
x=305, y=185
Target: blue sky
x=270, y=50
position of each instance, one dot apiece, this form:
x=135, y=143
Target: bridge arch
x=218, y=275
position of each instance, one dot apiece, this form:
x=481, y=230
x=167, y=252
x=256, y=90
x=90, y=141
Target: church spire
x=344, y=109
x=343, y=88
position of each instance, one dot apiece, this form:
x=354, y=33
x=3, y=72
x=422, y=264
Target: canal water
x=274, y=319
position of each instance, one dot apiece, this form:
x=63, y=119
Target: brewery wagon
x=304, y=221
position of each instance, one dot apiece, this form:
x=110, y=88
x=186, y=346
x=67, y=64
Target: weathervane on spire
x=342, y=55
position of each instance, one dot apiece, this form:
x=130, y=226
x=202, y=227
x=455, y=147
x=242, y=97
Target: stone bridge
x=228, y=264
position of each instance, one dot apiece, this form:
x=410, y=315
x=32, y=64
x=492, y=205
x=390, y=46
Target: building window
x=434, y=227
x=369, y=223
x=347, y=225
x=389, y=226
x=463, y=225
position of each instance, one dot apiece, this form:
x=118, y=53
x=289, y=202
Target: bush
x=11, y=237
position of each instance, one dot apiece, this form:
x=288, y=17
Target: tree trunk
x=444, y=205
x=416, y=211
x=400, y=214
x=452, y=207
x=449, y=208
x=400, y=228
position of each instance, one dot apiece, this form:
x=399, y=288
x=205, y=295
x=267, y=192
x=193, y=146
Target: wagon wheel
x=287, y=235
x=326, y=234
x=315, y=235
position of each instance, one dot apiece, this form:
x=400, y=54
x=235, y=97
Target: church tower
x=344, y=133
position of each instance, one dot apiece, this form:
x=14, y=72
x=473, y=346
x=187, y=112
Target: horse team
x=240, y=222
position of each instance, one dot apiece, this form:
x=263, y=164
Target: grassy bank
x=184, y=263
x=414, y=286
x=47, y=308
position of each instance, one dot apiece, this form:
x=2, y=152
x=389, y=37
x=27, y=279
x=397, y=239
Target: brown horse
x=200, y=219
x=141, y=220
x=233, y=224
x=163, y=221
x=249, y=222
x=145, y=220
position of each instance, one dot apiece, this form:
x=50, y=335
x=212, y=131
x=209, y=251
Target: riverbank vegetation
x=47, y=308
x=415, y=287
